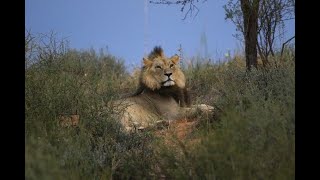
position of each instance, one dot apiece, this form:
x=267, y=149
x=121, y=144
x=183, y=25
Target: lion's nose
x=168, y=74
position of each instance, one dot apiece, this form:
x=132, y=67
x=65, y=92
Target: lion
x=178, y=90
x=161, y=97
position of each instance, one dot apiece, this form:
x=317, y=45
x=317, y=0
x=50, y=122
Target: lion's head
x=159, y=71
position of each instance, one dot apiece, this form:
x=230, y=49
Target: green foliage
x=252, y=137
x=65, y=81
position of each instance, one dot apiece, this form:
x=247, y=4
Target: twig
x=284, y=45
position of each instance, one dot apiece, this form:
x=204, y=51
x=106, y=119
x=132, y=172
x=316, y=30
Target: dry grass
x=252, y=135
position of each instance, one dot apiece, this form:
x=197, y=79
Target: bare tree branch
x=285, y=44
x=190, y=4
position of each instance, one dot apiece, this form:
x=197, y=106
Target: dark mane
x=156, y=52
x=180, y=95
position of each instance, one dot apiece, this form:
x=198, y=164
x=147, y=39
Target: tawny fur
x=161, y=95
x=147, y=81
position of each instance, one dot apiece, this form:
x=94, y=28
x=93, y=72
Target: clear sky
x=121, y=26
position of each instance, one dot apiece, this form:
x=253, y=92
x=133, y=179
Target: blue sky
x=121, y=26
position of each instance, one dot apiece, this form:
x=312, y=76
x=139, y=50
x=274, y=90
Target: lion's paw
x=206, y=108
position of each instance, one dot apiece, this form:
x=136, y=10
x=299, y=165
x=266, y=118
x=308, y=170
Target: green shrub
x=252, y=135
x=65, y=81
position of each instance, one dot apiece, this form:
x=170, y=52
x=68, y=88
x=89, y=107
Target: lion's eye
x=158, y=67
x=171, y=65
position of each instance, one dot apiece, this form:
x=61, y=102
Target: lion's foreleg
x=194, y=110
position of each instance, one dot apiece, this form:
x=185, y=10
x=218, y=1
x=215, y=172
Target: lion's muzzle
x=168, y=81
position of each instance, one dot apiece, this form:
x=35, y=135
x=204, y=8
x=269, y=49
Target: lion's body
x=161, y=95
x=146, y=110
x=180, y=95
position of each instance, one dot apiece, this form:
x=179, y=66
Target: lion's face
x=162, y=72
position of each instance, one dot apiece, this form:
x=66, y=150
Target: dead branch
x=284, y=45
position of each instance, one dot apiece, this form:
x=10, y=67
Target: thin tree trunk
x=250, y=17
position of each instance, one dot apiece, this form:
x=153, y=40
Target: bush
x=65, y=81
x=252, y=136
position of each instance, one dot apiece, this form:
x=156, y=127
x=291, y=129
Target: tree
x=250, y=11
x=244, y=14
x=256, y=20
x=271, y=16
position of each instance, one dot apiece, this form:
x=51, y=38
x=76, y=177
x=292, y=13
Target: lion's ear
x=175, y=59
x=147, y=62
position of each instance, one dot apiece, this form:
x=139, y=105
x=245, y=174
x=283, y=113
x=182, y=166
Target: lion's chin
x=168, y=83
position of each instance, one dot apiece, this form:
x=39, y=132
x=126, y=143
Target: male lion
x=160, y=97
x=168, y=87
